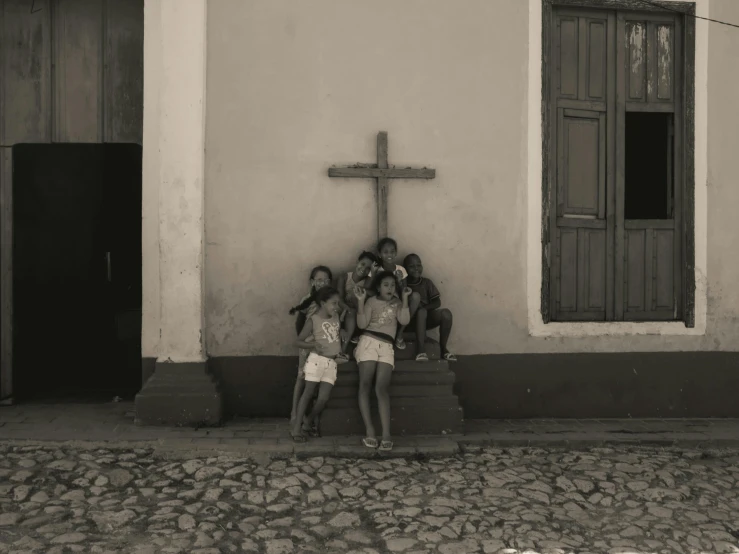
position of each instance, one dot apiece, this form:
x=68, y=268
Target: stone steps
x=422, y=401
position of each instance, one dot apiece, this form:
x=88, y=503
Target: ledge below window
x=614, y=329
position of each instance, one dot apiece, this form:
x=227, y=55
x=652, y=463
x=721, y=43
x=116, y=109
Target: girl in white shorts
x=320, y=367
x=378, y=317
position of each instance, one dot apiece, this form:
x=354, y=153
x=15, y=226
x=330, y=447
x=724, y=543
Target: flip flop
x=299, y=438
x=400, y=343
x=369, y=442
x=386, y=446
x=422, y=357
x=449, y=357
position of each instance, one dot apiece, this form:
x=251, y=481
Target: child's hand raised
x=360, y=293
x=406, y=293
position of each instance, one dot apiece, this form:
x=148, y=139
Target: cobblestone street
x=621, y=499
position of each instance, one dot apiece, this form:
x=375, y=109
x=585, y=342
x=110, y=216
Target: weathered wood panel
x=664, y=278
x=582, y=274
x=650, y=275
x=592, y=264
x=651, y=58
x=581, y=162
x=596, y=60
x=569, y=56
x=78, y=71
x=636, y=43
x=665, y=53
x=568, y=270
x=25, y=74
x=636, y=277
x=124, y=71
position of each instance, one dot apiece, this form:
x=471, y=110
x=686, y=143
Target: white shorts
x=371, y=349
x=318, y=369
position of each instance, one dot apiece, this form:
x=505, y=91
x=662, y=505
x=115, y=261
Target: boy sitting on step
x=426, y=312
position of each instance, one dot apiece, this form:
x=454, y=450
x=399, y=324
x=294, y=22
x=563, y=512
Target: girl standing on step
x=378, y=317
x=320, y=370
x=320, y=277
x=359, y=277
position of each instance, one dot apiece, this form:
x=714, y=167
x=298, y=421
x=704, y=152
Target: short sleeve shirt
x=426, y=290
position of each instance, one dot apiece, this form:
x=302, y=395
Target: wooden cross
x=382, y=173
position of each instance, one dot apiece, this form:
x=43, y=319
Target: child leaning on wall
x=320, y=277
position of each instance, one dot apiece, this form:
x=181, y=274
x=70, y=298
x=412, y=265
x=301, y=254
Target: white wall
x=294, y=87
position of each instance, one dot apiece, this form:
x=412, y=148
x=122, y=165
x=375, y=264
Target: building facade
x=580, y=225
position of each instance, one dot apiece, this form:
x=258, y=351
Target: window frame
x=687, y=183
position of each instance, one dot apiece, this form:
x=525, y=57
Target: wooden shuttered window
x=614, y=166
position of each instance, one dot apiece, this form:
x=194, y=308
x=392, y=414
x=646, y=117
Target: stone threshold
x=111, y=426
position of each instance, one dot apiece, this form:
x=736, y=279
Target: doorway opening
x=649, y=187
x=76, y=271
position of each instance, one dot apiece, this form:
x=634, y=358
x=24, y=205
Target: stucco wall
x=150, y=180
x=295, y=87
x=723, y=178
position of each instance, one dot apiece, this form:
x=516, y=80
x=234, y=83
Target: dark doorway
x=76, y=271
x=649, y=157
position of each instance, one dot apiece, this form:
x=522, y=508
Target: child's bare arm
x=364, y=312
x=304, y=334
x=404, y=314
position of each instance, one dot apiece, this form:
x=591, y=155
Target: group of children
x=375, y=303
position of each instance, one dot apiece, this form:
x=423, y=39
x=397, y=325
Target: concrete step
x=446, y=401
x=422, y=401
x=431, y=373
x=396, y=390
x=427, y=419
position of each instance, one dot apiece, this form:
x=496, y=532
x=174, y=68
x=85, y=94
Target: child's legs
x=421, y=322
x=350, y=324
x=297, y=392
x=324, y=393
x=299, y=383
x=306, y=397
x=384, y=375
x=366, y=375
x=414, y=301
x=443, y=320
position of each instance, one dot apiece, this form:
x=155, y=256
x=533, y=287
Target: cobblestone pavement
x=62, y=499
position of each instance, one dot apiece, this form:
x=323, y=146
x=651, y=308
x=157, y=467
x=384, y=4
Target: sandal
x=299, y=438
x=422, y=357
x=449, y=357
x=386, y=446
x=369, y=442
x=400, y=343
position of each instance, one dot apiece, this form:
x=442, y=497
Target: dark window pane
x=649, y=183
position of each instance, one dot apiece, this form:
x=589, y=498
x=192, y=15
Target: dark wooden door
x=76, y=215
x=615, y=166
x=649, y=235
x=582, y=128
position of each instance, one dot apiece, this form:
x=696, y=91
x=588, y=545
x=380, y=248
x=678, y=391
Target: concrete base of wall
x=610, y=385
x=180, y=394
